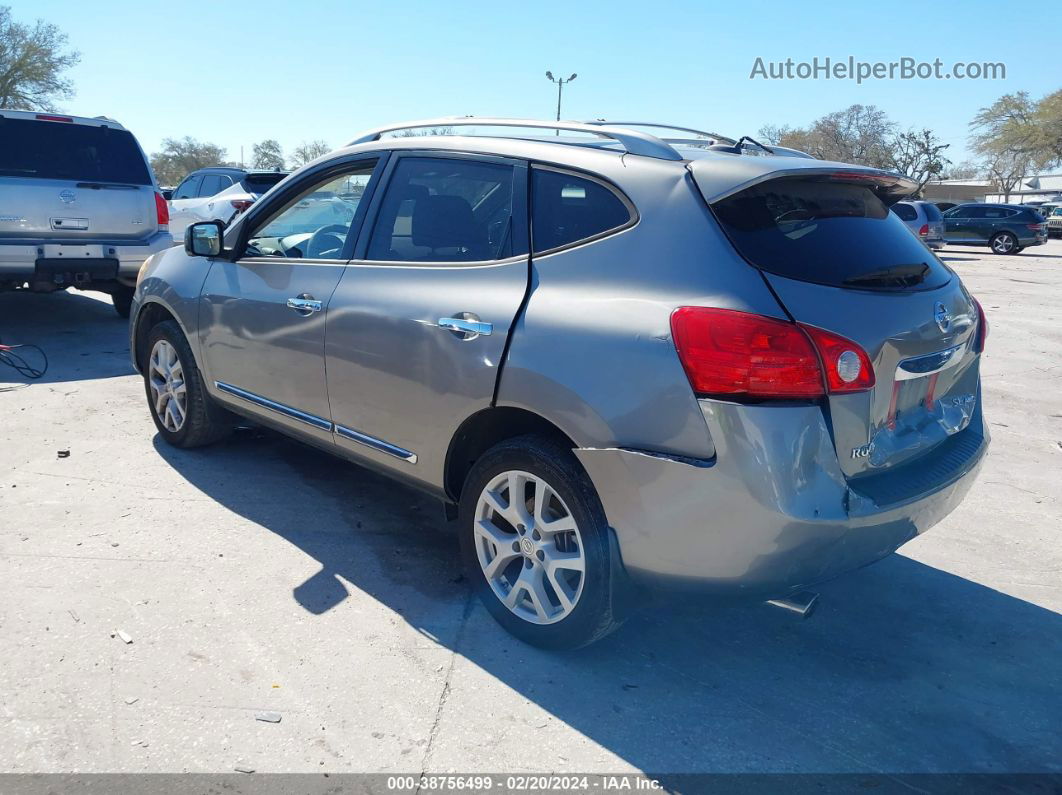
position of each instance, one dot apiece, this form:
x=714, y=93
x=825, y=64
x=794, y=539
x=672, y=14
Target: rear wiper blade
x=895, y=276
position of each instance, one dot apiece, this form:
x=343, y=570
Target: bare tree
x=307, y=151
x=424, y=131
x=268, y=154
x=1007, y=170
x=919, y=155
x=967, y=169
x=32, y=61
x=181, y=156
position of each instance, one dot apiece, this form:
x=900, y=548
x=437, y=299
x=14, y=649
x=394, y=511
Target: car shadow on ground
x=81, y=334
x=904, y=668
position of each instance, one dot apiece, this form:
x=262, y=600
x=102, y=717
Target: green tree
x=307, y=151
x=180, y=156
x=1010, y=141
x=268, y=154
x=33, y=59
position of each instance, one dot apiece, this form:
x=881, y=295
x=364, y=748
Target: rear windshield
x=831, y=233
x=260, y=183
x=60, y=150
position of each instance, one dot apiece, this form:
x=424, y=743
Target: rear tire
x=542, y=565
x=122, y=298
x=185, y=415
x=1004, y=243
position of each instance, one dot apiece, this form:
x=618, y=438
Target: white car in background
x=217, y=194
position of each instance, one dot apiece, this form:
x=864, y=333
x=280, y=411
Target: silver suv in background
x=78, y=205
x=924, y=219
x=620, y=360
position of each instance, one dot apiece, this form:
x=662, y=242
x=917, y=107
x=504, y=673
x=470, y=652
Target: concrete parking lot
x=261, y=575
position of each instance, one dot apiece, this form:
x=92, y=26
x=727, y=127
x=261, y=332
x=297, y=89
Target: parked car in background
x=78, y=205
x=1005, y=228
x=924, y=220
x=630, y=361
x=199, y=196
x=1054, y=223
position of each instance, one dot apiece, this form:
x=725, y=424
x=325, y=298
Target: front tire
x=184, y=414
x=536, y=544
x=1004, y=243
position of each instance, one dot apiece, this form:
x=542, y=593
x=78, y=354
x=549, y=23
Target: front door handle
x=466, y=325
x=304, y=304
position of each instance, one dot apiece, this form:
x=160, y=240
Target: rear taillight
x=241, y=204
x=162, y=210
x=727, y=353
x=847, y=365
x=924, y=231
x=982, y=328
x=1035, y=227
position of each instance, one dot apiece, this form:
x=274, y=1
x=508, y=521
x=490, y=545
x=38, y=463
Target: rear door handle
x=466, y=325
x=304, y=304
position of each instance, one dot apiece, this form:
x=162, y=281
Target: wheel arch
x=486, y=428
x=150, y=314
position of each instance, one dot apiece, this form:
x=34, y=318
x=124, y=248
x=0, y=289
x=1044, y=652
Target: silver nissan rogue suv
x=619, y=359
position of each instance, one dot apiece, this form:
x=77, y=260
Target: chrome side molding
x=272, y=405
x=376, y=444
x=319, y=422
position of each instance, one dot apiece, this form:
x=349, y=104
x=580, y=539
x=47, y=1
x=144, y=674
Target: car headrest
x=446, y=222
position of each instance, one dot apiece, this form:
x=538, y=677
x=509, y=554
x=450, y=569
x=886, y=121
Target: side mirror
x=167, y=194
x=203, y=239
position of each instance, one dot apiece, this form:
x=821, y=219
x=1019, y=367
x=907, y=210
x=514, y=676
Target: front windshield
x=316, y=223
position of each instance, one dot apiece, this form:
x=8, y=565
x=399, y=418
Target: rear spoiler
x=889, y=186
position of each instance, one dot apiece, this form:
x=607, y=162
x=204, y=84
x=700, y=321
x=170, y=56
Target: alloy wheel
x=529, y=548
x=1003, y=244
x=168, y=392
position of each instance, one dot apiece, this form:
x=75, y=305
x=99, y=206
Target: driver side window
x=316, y=223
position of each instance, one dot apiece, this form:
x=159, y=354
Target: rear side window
x=60, y=150
x=905, y=212
x=567, y=209
x=831, y=233
x=445, y=210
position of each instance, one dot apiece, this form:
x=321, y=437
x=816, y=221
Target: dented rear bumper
x=772, y=512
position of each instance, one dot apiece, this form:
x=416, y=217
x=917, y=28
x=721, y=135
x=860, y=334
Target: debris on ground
x=132, y=700
x=63, y=453
x=73, y=615
x=125, y=636
x=243, y=769
x=268, y=717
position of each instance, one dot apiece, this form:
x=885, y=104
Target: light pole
x=560, y=89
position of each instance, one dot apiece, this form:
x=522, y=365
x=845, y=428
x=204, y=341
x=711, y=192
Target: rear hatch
x=935, y=221
x=837, y=259
x=66, y=180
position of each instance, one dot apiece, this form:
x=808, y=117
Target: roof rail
x=654, y=125
x=636, y=143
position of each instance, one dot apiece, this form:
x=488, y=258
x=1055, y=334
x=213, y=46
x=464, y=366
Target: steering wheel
x=327, y=238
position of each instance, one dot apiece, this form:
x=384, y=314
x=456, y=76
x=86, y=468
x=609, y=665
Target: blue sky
x=235, y=73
